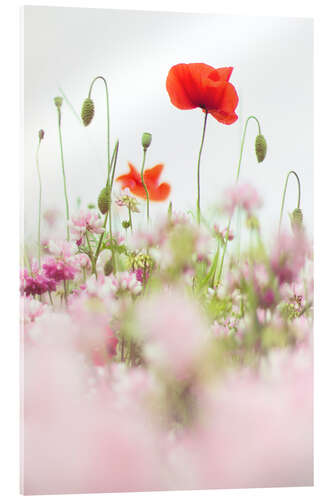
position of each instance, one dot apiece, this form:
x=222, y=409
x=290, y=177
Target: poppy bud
x=108, y=267
x=87, y=111
x=104, y=200
x=126, y=224
x=261, y=148
x=146, y=140
x=297, y=218
x=41, y=134
x=58, y=102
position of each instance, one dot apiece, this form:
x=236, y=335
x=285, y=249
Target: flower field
x=167, y=353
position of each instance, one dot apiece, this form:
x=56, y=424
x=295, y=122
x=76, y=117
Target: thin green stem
x=130, y=217
x=237, y=178
x=198, y=167
x=65, y=292
x=243, y=142
x=40, y=198
x=113, y=163
x=63, y=171
x=91, y=255
x=143, y=181
x=284, y=194
x=107, y=117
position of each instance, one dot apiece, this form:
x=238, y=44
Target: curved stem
x=40, y=198
x=237, y=178
x=143, y=181
x=107, y=117
x=198, y=167
x=284, y=194
x=243, y=142
x=63, y=172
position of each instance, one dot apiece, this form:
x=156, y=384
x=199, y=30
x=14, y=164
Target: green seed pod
x=41, y=134
x=87, y=111
x=58, y=102
x=126, y=224
x=297, y=218
x=261, y=148
x=146, y=140
x=104, y=200
x=108, y=267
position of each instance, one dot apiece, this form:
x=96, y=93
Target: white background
x=273, y=72
x=11, y=158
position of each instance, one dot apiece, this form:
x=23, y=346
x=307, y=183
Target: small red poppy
x=132, y=180
x=198, y=85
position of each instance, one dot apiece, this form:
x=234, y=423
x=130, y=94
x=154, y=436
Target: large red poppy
x=198, y=85
x=156, y=192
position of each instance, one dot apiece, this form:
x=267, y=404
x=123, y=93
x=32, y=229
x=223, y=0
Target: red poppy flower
x=151, y=176
x=198, y=85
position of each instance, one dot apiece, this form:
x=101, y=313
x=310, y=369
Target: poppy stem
x=198, y=167
x=284, y=194
x=40, y=198
x=143, y=181
x=63, y=170
x=237, y=178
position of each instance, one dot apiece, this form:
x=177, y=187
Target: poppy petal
x=134, y=172
x=225, y=73
x=152, y=175
x=229, y=99
x=223, y=117
x=177, y=90
x=186, y=84
x=160, y=193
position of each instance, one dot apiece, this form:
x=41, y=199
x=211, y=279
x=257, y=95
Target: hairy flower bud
x=261, y=147
x=104, y=200
x=58, y=102
x=108, y=267
x=87, y=111
x=296, y=218
x=41, y=134
x=126, y=224
x=146, y=140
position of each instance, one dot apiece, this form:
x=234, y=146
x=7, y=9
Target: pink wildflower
x=86, y=221
x=173, y=330
x=242, y=195
x=223, y=233
x=83, y=261
x=36, y=282
x=289, y=256
x=62, y=265
x=32, y=310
